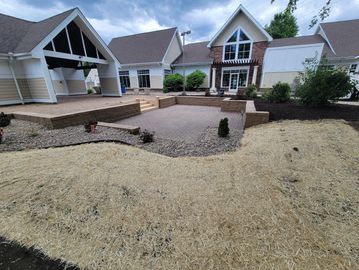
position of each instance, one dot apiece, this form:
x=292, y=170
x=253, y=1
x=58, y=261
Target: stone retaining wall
x=256, y=118
x=166, y=102
x=199, y=101
x=229, y=105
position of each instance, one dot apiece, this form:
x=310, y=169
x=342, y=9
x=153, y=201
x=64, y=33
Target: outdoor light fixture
x=183, y=34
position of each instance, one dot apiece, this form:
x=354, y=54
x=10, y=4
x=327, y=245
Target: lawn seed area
x=287, y=198
x=23, y=135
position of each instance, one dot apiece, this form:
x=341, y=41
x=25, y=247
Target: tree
x=283, y=25
x=323, y=13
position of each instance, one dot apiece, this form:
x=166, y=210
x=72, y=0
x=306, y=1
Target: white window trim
x=236, y=67
x=128, y=75
x=237, y=43
x=149, y=75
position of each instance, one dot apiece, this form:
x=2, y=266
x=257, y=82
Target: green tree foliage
x=173, y=83
x=195, y=80
x=283, y=25
x=322, y=85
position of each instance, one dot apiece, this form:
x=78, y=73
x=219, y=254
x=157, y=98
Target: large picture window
x=125, y=78
x=237, y=47
x=233, y=78
x=143, y=78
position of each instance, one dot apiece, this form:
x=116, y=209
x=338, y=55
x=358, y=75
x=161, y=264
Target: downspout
x=11, y=59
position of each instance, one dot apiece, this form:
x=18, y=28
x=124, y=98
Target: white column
x=213, y=86
x=255, y=72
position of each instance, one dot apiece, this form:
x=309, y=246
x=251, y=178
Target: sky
x=113, y=18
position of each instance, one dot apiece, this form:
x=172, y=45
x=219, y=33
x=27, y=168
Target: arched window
x=237, y=47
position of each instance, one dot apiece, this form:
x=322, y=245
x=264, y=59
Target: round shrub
x=173, y=83
x=195, y=80
x=251, y=91
x=323, y=85
x=280, y=93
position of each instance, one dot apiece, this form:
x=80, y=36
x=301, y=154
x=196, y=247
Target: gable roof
x=194, y=53
x=251, y=18
x=149, y=47
x=21, y=36
x=343, y=37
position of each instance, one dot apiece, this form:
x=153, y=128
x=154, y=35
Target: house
x=337, y=42
x=195, y=56
x=42, y=60
x=146, y=58
x=237, y=50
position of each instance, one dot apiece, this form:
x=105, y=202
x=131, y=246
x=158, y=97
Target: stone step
x=131, y=129
x=148, y=109
x=144, y=106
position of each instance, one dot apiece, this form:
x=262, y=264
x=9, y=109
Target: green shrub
x=91, y=91
x=280, y=93
x=146, y=136
x=322, y=85
x=195, y=80
x=173, y=83
x=251, y=91
x=223, y=129
x=5, y=120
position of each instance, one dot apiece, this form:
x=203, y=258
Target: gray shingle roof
x=142, y=48
x=343, y=36
x=195, y=53
x=21, y=36
x=294, y=41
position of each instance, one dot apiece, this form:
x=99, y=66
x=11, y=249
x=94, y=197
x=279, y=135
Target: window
x=125, y=78
x=167, y=72
x=242, y=75
x=237, y=47
x=353, y=68
x=143, y=78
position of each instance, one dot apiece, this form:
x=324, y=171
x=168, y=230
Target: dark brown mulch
x=292, y=110
x=15, y=257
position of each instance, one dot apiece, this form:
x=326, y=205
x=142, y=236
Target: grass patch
x=288, y=198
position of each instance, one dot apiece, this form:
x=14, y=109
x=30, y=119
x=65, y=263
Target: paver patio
x=183, y=122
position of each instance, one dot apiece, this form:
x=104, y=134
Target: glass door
x=233, y=81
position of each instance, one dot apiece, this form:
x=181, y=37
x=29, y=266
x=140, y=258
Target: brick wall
x=217, y=53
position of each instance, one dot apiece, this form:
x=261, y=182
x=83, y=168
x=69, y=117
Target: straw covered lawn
x=287, y=199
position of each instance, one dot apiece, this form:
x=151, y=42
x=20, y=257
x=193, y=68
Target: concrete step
x=144, y=106
x=131, y=129
x=148, y=109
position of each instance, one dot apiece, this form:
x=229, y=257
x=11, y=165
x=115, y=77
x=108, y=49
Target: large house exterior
x=146, y=58
x=42, y=60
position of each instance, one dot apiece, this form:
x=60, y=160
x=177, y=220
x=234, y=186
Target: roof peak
x=149, y=32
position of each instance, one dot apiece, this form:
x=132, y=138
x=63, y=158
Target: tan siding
x=271, y=78
x=8, y=90
x=174, y=50
x=24, y=87
x=249, y=27
x=76, y=86
x=59, y=87
x=109, y=86
x=38, y=88
x=156, y=82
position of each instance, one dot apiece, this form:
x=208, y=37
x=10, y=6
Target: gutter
x=142, y=64
x=11, y=59
x=192, y=64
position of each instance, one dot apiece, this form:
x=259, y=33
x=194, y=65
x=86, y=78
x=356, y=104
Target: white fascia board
x=295, y=46
x=74, y=57
x=175, y=36
x=325, y=37
x=239, y=9
x=193, y=64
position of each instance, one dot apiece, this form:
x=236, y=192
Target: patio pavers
x=183, y=122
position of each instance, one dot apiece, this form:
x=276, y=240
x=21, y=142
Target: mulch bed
x=292, y=110
x=16, y=257
x=23, y=135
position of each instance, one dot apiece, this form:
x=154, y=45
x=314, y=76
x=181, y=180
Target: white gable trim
x=251, y=18
x=325, y=37
x=175, y=35
x=76, y=13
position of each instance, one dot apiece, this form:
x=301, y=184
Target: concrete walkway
x=183, y=122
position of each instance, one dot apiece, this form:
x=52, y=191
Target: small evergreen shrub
x=251, y=91
x=173, y=83
x=5, y=120
x=91, y=91
x=279, y=94
x=147, y=136
x=323, y=85
x=88, y=125
x=195, y=80
x=223, y=129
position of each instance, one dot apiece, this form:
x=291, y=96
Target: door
x=233, y=82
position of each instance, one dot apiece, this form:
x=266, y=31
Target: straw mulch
x=287, y=199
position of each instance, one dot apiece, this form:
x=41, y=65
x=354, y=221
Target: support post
x=213, y=85
x=255, y=73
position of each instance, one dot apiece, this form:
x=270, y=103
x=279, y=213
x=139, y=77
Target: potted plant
x=4, y=122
